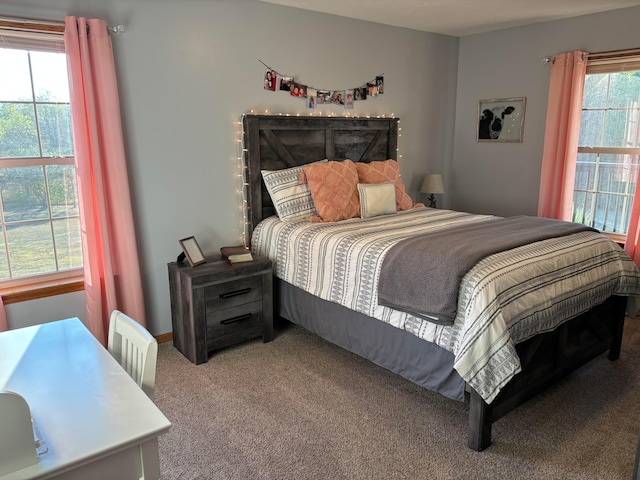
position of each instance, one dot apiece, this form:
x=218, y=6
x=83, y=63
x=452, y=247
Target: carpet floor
x=301, y=408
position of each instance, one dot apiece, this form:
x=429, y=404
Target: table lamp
x=432, y=184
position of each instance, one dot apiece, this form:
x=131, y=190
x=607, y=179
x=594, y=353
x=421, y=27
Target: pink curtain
x=633, y=234
x=111, y=266
x=560, y=153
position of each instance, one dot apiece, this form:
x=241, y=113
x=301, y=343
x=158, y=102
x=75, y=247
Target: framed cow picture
x=501, y=120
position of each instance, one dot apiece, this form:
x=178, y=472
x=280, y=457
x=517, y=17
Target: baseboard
x=165, y=337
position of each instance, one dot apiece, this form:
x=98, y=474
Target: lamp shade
x=432, y=183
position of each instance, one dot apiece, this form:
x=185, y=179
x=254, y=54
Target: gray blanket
x=421, y=275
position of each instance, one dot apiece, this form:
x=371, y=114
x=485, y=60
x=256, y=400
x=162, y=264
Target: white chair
x=135, y=349
x=17, y=448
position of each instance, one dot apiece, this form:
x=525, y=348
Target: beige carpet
x=300, y=408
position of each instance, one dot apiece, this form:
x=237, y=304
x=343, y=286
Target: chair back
x=135, y=349
x=17, y=448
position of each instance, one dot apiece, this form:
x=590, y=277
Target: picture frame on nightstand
x=192, y=251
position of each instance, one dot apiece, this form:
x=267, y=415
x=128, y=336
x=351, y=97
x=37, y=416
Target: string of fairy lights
x=241, y=161
x=243, y=181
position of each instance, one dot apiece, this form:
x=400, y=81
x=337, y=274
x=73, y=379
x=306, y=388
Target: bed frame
x=276, y=142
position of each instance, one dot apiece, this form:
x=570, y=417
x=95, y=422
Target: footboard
x=547, y=357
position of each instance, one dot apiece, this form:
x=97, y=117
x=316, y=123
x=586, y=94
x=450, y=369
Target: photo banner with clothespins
x=277, y=82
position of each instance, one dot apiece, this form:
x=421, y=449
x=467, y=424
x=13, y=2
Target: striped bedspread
x=505, y=299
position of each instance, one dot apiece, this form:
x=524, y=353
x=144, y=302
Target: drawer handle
x=233, y=294
x=240, y=318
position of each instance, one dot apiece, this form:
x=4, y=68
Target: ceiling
x=458, y=17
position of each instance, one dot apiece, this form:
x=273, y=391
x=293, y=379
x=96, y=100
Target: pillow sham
x=334, y=189
x=291, y=199
x=385, y=171
x=377, y=199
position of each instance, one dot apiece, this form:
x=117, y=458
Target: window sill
x=617, y=237
x=34, y=291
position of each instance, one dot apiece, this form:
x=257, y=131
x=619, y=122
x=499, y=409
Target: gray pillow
x=291, y=199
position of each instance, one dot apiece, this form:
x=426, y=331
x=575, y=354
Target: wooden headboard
x=276, y=142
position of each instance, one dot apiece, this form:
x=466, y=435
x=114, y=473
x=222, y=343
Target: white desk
x=96, y=422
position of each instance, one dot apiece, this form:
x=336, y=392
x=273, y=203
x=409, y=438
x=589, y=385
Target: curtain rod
x=43, y=26
x=626, y=52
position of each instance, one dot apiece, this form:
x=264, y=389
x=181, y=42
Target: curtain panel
x=111, y=265
x=564, y=109
x=633, y=233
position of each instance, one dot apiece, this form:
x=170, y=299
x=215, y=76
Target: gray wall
x=43, y=310
x=504, y=178
x=189, y=69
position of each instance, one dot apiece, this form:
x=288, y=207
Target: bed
x=423, y=351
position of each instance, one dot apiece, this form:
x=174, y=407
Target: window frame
x=47, y=36
x=609, y=63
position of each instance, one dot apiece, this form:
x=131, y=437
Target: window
x=608, y=147
x=39, y=217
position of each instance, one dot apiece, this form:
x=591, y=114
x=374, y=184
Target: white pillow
x=291, y=199
x=377, y=199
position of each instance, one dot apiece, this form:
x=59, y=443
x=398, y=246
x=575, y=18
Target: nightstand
x=215, y=305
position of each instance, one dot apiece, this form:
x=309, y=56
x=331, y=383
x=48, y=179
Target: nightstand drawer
x=231, y=294
x=243, y=318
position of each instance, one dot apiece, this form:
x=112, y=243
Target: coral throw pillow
x=334, y=188
x=385, y=171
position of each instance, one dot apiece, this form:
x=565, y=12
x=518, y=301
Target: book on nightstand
x=236, y=254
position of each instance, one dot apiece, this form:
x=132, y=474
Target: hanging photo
x=348, y=99
x=380, y=84
x=323, y=96
x=372, y=90
x=270, y=80
x=298, y=90
x=311, y=98
x=337, y=97
x=360, y=93
x=285, y=83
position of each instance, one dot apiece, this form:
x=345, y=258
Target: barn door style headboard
x=276, y=142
